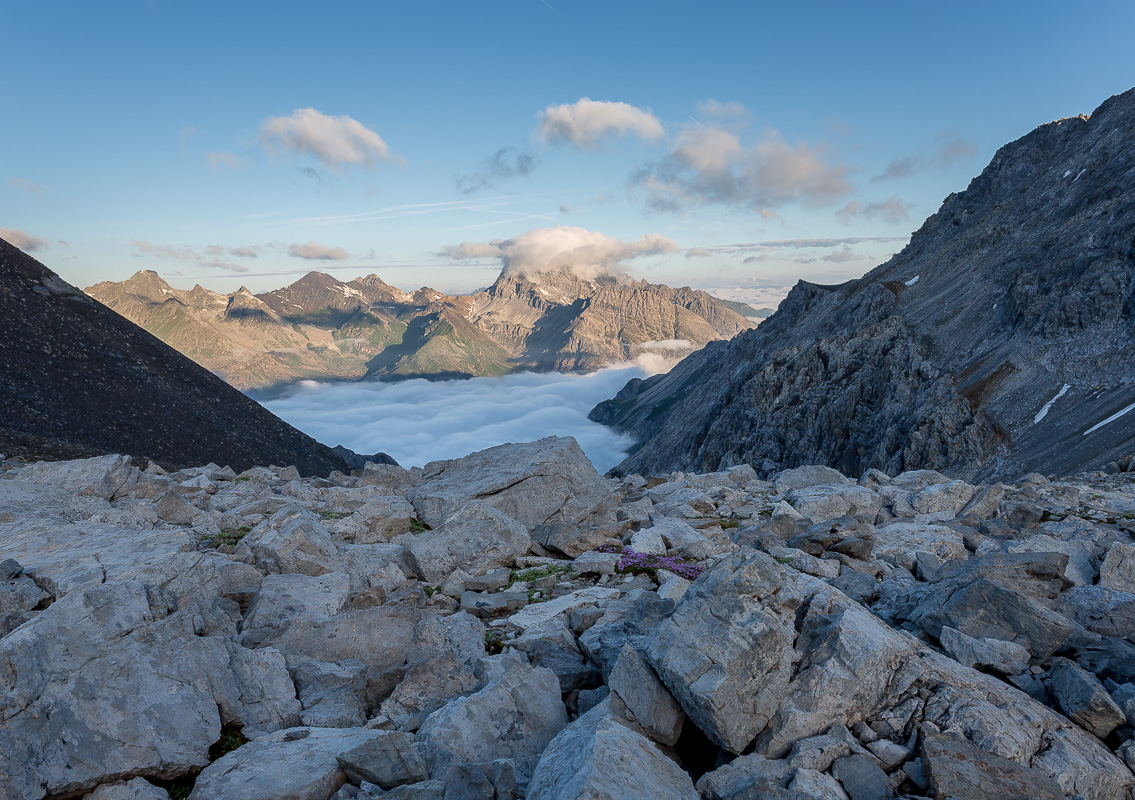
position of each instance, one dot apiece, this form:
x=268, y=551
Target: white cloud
x=317, y=252
x=210, y=257
x=891, y=210
x=333, y=140
x=758, y=297
x=587, y=253
x=252, y=251
x=710, y=165
x=27, y=186
x=949, y=149
x=418, y=421
x=222, y=159
x=666, y=345
x=586, y=122
x=27, y=242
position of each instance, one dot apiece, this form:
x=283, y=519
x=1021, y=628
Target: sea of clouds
x=418, y=421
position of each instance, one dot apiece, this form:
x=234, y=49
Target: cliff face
x=322, y=328
x=999, y=341
x=78, y=379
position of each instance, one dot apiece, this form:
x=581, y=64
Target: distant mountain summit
x=77, y=379
x=1000, y=341
x=322, y=328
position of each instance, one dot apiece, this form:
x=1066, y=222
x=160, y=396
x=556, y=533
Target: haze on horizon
x=228, y=145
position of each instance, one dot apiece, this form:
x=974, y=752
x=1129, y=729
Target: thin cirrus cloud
x=314, y=251
x=28, y=242
x=28, y=186
x=892, y=210
x=222, y=159
x=335, y=141
x=586, y=122
x=949, y=150
x=709, y=165
x=587, y=254
x=210, y=256
x=508, y=162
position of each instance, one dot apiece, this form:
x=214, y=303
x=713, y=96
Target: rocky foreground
x=511, y=624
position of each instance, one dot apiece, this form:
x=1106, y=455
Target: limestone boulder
x=726, y=652
x=291, y=540
x=298, y=764
x=830, y=500
x=535, y=483
x=597, y=757
x=514, y=716
x=476, y=538
x=102, y=476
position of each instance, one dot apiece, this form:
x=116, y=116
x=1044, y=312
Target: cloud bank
x=891, y=210
x=587, y=253
x=586, y=122
x=336, y=141
x=710, y=165
x=29, y=187
x=27, y=242
x=209, y=257
x=949, y=150
x=315, y=251
x=419, y=421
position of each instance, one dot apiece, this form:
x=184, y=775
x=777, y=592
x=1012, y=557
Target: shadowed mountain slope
x=78, y=379
x=1000, y=341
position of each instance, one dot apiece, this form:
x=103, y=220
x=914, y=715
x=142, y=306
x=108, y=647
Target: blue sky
x=756, y=144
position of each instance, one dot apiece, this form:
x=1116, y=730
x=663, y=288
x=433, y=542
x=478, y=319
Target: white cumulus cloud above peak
x=586, y=122
x=336, y=141
x=314, y=251
x=28, y=242
x=587, y=253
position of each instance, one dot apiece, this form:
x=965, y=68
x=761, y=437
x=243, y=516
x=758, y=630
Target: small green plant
x=231, y=738
x=494, y=644
x=417, y=526
x=180, y=789
x=429, y=590
x=784, y=559
x=730, y=523
x=535, y=573
x=241, y=479
x=335, y=514
x=229, y=536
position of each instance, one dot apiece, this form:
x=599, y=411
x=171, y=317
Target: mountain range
x=1000, y=341
x=322, y=328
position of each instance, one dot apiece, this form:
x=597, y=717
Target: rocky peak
x=997, y=342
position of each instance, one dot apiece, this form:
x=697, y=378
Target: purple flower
x=634, y=562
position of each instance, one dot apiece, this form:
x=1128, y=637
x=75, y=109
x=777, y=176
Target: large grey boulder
x=102, y=476
x=477, y=538
x=639, y=697
x=381, y=519
x=898, y=543
x=1007, y=658
x=388, y=760
x=291, y=540
x=296, y=764
x=597, y=758
x=291, y=596
x=956, y=768
x=110, y=682
x=1082, y=698
x=1118, y=568
x=535, y=483
x=514, y=716
x=830, y=500
x=379, y=637
x=1108, y=612
x=803, y=477
x=726, y=652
